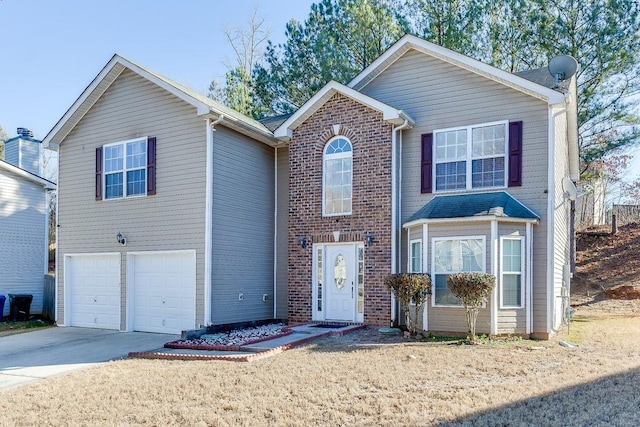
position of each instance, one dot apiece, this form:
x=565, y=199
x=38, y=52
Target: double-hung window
x=512, y=291
x=455, y=255
x=338, y=177
x=471, y=157
x=125, y=169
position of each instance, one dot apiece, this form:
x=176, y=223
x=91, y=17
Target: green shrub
x=473, y=289
x=410, y=288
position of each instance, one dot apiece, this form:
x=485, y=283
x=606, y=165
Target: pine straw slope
x=332, y=382
x=605, y=260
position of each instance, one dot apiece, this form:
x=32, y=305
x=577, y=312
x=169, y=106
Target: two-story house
x=176, y=212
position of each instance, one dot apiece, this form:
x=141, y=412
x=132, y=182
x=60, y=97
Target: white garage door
x=93, y=288
x=164, y=292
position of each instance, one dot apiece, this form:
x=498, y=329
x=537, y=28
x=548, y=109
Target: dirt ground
x=607, y=263
x=363, y=379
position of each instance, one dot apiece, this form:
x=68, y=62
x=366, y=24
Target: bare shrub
x=473, y=289
x=410, y=288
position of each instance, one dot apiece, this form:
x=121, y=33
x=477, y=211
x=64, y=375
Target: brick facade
x=370, y=137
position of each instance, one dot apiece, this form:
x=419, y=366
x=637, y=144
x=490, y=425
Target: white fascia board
x=408, y=41
x=48, y=142
x=48, y=139
x=483, y=218
x=201, y=107
x=46, y=184
x=242, y=127
x=389, y=114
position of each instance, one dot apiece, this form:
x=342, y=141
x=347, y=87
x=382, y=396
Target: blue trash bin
x=2, y=300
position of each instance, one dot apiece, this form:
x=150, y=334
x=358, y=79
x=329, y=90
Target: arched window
x=337, y=177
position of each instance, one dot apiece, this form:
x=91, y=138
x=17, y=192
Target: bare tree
x=248, y=47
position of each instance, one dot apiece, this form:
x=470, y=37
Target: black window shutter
x=151, y=166
x=515, y=154
x=99, y=173
x=426, y=170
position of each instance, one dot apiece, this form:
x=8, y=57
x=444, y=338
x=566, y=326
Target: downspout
x=529, y=277
x=56, y=275
x=275, y=235
x=47, y=202
x=208, y=222
x=494, y=270
x=551, y=304
x=395, y=188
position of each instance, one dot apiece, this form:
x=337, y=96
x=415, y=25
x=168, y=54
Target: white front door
x=340, y=273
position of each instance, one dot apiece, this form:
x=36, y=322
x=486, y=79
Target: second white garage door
x=164, y=291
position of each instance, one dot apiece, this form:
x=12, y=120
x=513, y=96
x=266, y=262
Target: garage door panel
x=164, y=292
x=93, y=284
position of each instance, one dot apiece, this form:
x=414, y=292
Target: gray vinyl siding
x=22, y=243
x=561, y=217
x=438, y=95
x=448, y=319
x=282, y=261
x=243, y=228
x=25, y=154
x=11, y=152
x=173, y=219
x=30, y=156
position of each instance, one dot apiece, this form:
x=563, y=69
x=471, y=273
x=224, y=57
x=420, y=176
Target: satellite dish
x=562, y=67
x=569, y=189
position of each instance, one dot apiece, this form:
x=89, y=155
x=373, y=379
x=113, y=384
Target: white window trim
x=316, y=314
x=410, y=266
x=336, y=156
x=124, y=169
x=433, y=264
x=522, y=271
x=410, y=261
x=468, y=160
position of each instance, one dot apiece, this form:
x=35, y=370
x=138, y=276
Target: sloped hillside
x=608, y=269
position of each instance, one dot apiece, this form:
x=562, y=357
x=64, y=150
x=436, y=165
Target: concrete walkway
x=301, y=334
x=33, y=356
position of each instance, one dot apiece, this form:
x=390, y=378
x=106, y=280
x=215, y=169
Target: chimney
x=24, y=151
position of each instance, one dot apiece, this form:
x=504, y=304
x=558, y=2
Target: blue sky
x=51, y=50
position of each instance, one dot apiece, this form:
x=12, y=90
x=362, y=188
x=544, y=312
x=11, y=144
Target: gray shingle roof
x=541, y=76
x=499, y=204
x=274, y=122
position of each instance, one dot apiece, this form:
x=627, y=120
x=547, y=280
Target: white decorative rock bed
x=232, y=340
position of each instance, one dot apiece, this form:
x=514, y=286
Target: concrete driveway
x=32, y=356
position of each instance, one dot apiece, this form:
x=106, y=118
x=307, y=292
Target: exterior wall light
x=302, y=241
x=121, y=239
x=368, y=238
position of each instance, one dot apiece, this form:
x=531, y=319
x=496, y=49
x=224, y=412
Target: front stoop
x=300, y=334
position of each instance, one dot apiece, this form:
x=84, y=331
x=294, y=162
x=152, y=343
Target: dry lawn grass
x=338, y=381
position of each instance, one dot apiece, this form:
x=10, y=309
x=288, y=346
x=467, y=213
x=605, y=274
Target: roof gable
x=389, y=113
x=409, y=42
x=204, y=106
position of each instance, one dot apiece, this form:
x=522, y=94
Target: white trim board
x=409, y=41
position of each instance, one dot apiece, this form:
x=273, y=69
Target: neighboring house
x=23, y=220
x=176, y=212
